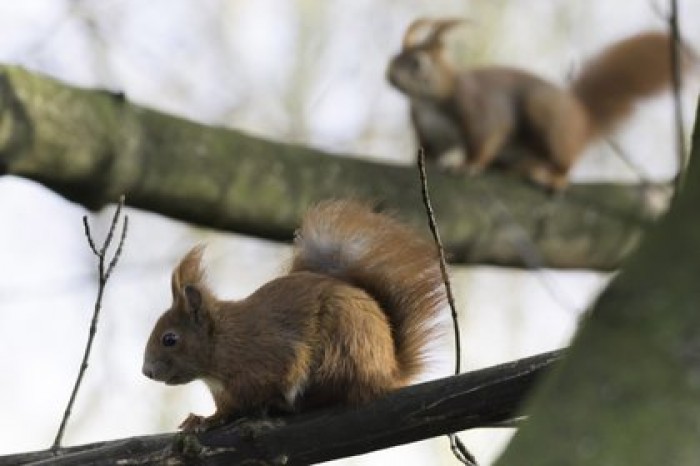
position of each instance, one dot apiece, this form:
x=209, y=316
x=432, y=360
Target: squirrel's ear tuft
x=193, y=300
x=189, y=271
x=190, y=291
x=417, y=32
x=426, y=32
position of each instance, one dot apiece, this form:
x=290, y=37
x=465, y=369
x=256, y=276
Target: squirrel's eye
x=412, y=63
x=169, y=339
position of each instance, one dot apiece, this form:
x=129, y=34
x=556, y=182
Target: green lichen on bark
x=91, y=146
x=628, y=392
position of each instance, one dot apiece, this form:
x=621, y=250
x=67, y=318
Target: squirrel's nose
x=148, y=369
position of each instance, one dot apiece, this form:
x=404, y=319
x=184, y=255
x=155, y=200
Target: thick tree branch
x=628, y=391
x=477, y=399
x=92, y=146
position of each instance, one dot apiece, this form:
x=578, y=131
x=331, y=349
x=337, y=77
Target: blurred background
x=304, y=71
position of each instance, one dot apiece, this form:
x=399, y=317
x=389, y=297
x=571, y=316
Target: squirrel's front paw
x=195, y=423
x=192, y=423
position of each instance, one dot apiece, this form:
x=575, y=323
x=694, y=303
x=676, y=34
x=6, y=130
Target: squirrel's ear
x=425, y=32
x=416, y=33
x=189, y=270
x=175, y=285
x=193, y=300
x=189, y=289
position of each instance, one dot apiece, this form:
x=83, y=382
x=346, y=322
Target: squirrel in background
x=545, y=128
x=348, y=323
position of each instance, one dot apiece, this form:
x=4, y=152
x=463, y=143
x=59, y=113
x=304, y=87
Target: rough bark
x=480, y=398
x=628, y=392
x=91, y=146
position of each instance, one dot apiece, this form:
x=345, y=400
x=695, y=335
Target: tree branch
x=628, y=391
x=477, y=399
x=90, y=146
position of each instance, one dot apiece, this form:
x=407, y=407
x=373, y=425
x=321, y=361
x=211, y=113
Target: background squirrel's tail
x=390, y=261
x=628, y=70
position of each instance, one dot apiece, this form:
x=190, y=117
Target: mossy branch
x=90, y=146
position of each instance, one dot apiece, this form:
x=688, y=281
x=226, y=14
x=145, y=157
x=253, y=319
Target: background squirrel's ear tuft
x=417, y=32
x=188, y=271
x=426, y=32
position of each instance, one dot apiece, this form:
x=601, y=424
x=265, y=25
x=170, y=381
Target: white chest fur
x=215, y=386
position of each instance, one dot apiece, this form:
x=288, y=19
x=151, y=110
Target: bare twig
x=658, y=10
x=120, y=245
x=459, y=450
x=104, y=273
x=112, y=226
x=627, y=160
x=676, y=73
x=526, y=248
x=441, y=257
x=88, y=235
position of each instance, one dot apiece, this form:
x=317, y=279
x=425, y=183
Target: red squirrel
x=544, y=127
x=349, y=321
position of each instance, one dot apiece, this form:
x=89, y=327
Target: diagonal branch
x=90, y=146
x=481, y=398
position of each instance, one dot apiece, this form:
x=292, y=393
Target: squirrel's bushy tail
x=393, y=263
x=629, y=70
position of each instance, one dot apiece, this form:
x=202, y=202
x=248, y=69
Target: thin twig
x=103, y=277
x=646, y=182
x=88, y=235
x=441, y=256
x=112, y=226
x=118, y=252
x=526, y=249
x=627, y=160
x=459, y=450
x=676, y=73
x=658, y=10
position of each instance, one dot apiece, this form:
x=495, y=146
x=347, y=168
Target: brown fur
x=348, y=323
x=487, y=109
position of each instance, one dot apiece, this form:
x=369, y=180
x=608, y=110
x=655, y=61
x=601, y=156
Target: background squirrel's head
x=179, y=348
x=421, y=70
